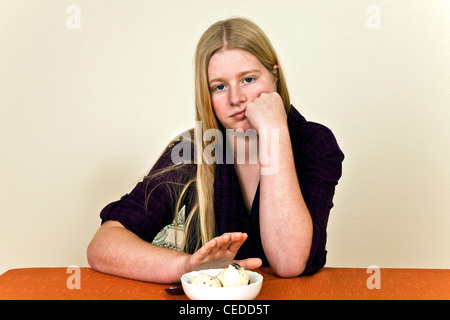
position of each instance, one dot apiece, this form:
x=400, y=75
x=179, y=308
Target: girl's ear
x=275, y=70
x=275, y=73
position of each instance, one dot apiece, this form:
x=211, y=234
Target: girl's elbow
x=289, y=270
x=92, y=257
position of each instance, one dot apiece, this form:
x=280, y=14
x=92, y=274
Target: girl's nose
x=237, y=96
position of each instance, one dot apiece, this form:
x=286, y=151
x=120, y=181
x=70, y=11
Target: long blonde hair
x=235, y=33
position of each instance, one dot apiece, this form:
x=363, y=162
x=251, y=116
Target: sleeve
x=319, y=170
x=132, y=211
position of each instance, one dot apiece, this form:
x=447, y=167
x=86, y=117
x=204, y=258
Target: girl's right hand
x=220, y=252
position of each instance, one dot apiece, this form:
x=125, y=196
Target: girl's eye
x=220, y=87
x=249, y=80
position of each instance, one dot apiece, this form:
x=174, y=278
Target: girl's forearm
x=285, y=222
x=116, y=250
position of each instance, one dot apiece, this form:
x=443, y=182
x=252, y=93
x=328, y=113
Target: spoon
x=176, y=289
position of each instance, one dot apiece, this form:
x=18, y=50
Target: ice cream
x=233, y=276
x=205, y=280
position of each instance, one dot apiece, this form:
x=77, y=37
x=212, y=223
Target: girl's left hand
x=266, y=112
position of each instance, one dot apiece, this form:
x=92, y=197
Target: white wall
x=85, y=113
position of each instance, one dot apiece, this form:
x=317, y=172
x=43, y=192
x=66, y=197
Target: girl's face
x=236, y=78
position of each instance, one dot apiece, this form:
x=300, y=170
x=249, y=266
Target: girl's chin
x=241, y=126
x=241, y=129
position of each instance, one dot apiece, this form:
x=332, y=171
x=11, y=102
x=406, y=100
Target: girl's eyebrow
x=240, y=74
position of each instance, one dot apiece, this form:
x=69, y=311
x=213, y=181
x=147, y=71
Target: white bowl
x=247, y=292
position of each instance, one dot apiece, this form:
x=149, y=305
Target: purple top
x=318, y=161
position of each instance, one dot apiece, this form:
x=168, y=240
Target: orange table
x=328, y=283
